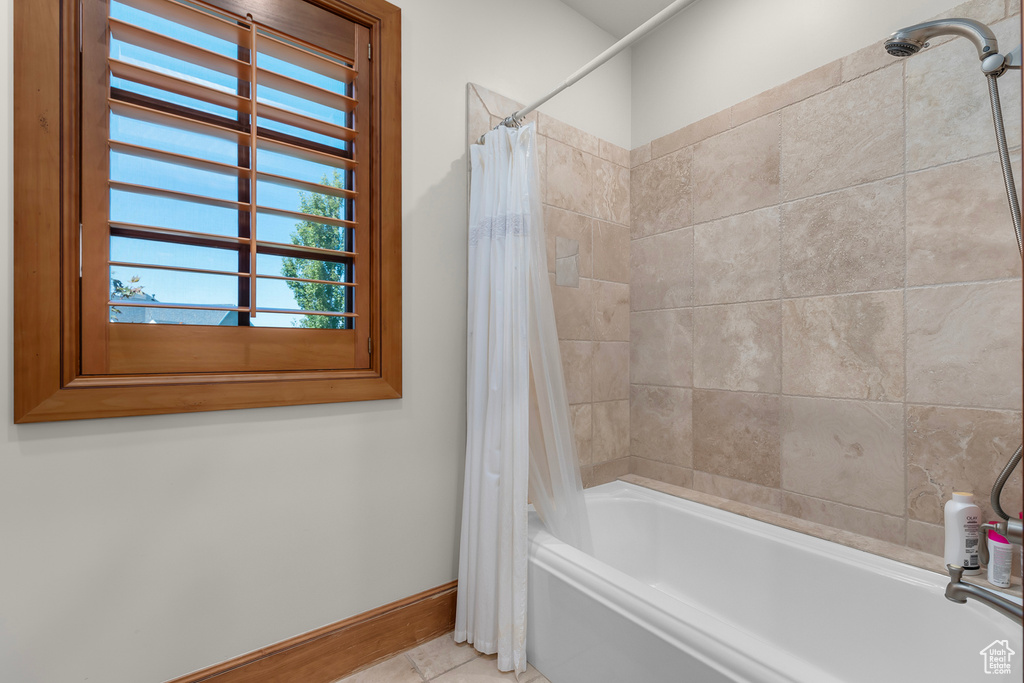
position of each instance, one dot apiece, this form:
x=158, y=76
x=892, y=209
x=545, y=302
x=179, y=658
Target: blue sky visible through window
x=128, y=207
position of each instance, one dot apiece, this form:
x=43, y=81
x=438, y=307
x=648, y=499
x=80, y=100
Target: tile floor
x=443, y=661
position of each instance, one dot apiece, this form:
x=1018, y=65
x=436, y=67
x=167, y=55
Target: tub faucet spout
x=958, y=591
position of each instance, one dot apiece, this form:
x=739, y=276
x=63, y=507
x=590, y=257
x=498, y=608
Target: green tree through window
x=120, y=290
x=314, y=296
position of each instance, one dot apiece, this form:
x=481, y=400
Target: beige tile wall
x=586, y=185
x=809, y=302
x=826, y=294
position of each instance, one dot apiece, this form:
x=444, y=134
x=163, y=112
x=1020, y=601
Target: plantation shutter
x=225, y=204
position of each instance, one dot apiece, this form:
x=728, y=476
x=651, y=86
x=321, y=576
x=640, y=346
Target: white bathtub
x=683, y=593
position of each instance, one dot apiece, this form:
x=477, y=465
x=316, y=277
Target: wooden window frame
x=48, y=382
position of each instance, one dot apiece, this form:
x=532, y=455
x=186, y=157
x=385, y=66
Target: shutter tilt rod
x=516, y=119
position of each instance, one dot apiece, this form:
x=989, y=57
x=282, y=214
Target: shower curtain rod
x=516, y=118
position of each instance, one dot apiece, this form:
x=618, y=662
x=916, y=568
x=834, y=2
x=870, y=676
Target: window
x=218, y=219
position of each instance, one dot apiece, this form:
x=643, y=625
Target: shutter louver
x=232, y=197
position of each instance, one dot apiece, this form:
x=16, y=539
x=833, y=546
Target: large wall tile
x=582, y=416
x=844, y=451
x=577, y=364
x=737, y=170
x=736, y=435
x=695, y=132
x=478, y=120
x=849, y=135
x=958, y=449
x=737, y=347
x=660, y=424
x=639, y=155
x=963, y=345
x=613, y=153
x=611, y=371
x=808, y=84
x=567, y=262
x=611, y=192
x=958, y=224
x=611, y=311
x=661, y=348
x=985, y=11
x=663, y=472
x=846, y=241
x=735, y=489
x=611, y=432
x=845, y=346
x=948, y=112
x=611, y=252
x=800, y=88
x=574, y=309
x=864, y=522
x=570, y=178
x=568, y=226
x=866, y=60
x=737, y=259
x=930, y=538
x=661, y=271
x=752, y=108
x=542, y=163
x=568, y=135
x=660, y=194
x=605, y=472
x=498, y=105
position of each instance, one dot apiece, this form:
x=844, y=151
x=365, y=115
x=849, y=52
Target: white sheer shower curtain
x=519, y=440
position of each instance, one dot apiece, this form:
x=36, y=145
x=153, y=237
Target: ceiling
x=618, y=17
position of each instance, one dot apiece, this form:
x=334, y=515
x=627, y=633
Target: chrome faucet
x=958, y=591
x=1012, y=529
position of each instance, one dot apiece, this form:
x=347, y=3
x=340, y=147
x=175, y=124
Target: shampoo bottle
x=962, y=519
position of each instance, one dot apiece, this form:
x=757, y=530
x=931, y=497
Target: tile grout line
x=782, y=489
x=874, y=401
x=693, y=362
x=414, y=666
x=775, y=110
x=593, y=333
x=781, y=279
x=906, y=271
x=937, y=285
x=825, y=193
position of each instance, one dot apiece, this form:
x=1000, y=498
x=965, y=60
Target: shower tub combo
x=678, y=592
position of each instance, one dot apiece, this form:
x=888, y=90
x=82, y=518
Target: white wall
x=717, y=53
x=137, y=549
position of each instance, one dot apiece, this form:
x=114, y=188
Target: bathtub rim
x=707, y=638
x=736, y=654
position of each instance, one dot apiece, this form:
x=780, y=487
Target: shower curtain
x=519, y=441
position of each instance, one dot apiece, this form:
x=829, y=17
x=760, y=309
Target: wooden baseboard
x=336, y=650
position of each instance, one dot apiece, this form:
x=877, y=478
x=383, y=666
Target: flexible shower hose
x=1011, y=196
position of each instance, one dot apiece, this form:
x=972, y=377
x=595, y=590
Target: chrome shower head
x=902, y=48
x=908, y=41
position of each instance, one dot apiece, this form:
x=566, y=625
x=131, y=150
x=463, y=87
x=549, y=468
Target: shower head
x=908, y=41
x=902, y=48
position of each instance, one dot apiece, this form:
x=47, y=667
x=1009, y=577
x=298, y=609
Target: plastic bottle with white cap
x=962, y=519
